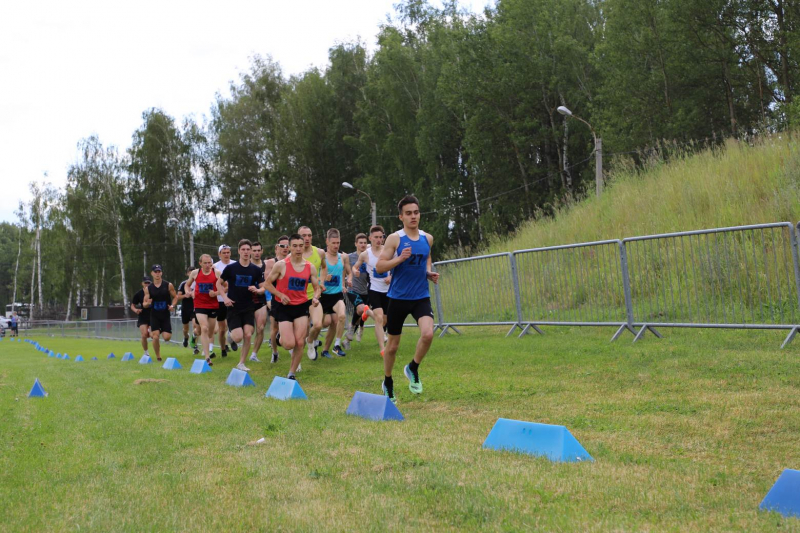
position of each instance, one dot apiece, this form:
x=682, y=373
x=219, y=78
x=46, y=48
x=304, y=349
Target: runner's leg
x=299, y=328
x=247, y=332
x=145, y=335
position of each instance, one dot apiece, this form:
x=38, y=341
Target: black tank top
x=160, y=296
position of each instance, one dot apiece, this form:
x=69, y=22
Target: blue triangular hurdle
x=111, y=356
x=200, y=366
x=65, y=356
x=784, y=496
x=145, y=360
x=554, y=442
x=59, y=356
x=127, y=357
x=79, y=359
x=239, y=378
x=37, y=391
x=285, y=389
x=94, y=358
x=51, y=354
x=171, y=364
x=373, y=407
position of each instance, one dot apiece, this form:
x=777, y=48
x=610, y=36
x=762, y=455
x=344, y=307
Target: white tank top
x=377, y=281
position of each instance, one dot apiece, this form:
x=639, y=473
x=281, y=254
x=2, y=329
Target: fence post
x=439, y=311
x=796, y=262
x=512, y=259
x=626, y=288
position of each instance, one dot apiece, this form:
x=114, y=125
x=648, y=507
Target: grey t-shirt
x=360, y=283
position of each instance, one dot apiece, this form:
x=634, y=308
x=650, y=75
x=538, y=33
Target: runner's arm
x=362, y=258
x=212, y=293
x=174, y=295
x=147, y=301
x=388, y=260
x=274, y=276
x=431, y=275
x=315, y=283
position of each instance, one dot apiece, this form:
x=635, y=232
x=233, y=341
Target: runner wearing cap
x=142, y=313
x=244, y=280
x=160, y=297
x=224, y=253
x=206, y=306
x=316, y=257
x=287, y=282
x=357, y=292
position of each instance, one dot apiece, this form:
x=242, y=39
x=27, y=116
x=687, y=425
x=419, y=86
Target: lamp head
x=564, y=111
x=347, y=185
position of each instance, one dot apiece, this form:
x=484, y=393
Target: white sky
x=69, y=68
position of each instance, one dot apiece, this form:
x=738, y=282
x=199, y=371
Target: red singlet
x=293, y=284
x=203, y=284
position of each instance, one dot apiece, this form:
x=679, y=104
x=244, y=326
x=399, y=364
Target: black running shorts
x=222, y=312
x=356, y=299
x=142, y=320
x=378, y=300
x=186, y=317
x=328, y=301
x=239, y=319
x=289, y=313
x=400, y=309
x=210, y=313
x=160, y=322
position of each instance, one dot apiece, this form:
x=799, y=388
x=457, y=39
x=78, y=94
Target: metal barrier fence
x=741, y=277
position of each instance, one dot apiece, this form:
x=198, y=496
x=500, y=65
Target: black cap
x=156, y=268
x=147, y=279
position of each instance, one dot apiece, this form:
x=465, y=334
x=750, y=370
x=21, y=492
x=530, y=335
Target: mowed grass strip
x=688, y=433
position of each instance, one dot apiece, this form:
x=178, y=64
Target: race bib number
x=205, y=288
x=333, y=282
x=243, y=281
x=159, y=306
x=297, y=284
x=380, y=276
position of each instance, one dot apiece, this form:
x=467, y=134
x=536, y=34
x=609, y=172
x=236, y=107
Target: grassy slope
x=688, y=433
x=736, y=185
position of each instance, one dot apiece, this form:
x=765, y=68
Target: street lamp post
x=373, y=209
x=598, y=150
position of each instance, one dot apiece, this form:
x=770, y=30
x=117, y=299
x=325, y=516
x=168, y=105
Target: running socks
x=389, y=383
x=414, y=366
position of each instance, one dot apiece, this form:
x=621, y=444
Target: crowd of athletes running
x=297, y=293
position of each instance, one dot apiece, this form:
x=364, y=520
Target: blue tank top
x=410, y=278
x=334, y=285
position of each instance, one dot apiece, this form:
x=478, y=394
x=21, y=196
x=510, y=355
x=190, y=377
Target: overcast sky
x=75, y=68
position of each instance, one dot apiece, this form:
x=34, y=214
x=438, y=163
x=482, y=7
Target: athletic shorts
x=356, y=299
x=328, y=301
x=142, y=321
x=222, y=312
x=187, y=317
x=210, y=313
x=160, y=322
x=289, y=313
x=400, y=309
x=239, y=319
x=378, y=300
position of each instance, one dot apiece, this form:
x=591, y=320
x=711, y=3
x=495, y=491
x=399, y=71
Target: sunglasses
x=282, y=245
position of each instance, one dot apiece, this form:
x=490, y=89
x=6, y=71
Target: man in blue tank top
x=332, y=300
x=408, y=254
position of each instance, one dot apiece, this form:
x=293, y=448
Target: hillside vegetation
x=736, y=184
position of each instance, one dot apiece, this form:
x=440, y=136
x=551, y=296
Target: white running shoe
x=241, y=367
x=312, y=351
x=299, y=367
x=349, y=333
x=359, y=333
x=254, y=358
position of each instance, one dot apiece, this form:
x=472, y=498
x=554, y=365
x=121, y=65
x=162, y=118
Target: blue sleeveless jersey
x=410, y=278
x=334, y=285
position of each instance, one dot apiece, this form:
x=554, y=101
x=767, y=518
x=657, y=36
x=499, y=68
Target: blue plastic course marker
x=79, y=359
x=127, y=357
x=145, y=360
x=200, y=366
x=239, y=378
x=171, y=364
x=373, y=407
x=285, y=389
x=94, y=358
x=51, y=354
x=37, y=391
x=784, y=496
x=65, y=356
x=554, y=442
x=111, y=356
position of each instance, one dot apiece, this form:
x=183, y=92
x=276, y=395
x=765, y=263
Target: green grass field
x=688, y=434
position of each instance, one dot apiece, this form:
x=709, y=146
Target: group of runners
x=297, y=293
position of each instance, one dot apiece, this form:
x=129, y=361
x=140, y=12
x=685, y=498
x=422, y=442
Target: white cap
x=223, y=247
